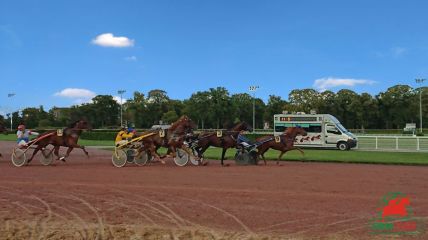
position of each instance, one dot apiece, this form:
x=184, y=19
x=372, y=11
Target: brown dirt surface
x=88, y=198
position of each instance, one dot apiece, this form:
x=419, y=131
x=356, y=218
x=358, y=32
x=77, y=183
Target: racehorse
x=68, y=137
x=172, y=138
x=225, y=141
x=285, y=144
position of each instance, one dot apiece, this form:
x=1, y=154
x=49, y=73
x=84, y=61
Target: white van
x=324, y=130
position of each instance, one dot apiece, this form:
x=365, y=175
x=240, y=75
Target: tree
x=197, y=108
x=274, y=106
x=304, y=100
x=348, y=104
x=397, y=106
x=221, y=106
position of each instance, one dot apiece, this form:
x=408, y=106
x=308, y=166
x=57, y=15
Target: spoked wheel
x=19, y=158
x=181, y=157
x=142, y=158
x=119, y=158
x=47, y=157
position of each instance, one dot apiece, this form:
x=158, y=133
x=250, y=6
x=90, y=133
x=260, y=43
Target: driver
x=23, y=135
x=242, y=140
x=123, y=135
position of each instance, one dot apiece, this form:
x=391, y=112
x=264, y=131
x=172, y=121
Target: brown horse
x=68, y=138
x=172, y=138
x=226, y=140
x=285, y=144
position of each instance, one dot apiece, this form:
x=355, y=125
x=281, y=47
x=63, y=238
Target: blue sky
x=48, y=47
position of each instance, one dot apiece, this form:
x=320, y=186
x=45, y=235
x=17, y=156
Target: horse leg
x=300, y=150
x=153, y=152
x=35, y=152
x=279, y=157
x=56, y=152
x=67, y=153
x=71, y=146
x=223, y=153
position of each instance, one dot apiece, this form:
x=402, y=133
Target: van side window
x=280, y=128
x=332, y=129
x=313, y=129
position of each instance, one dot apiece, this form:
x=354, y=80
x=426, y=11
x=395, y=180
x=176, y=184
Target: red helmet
x=22, y=126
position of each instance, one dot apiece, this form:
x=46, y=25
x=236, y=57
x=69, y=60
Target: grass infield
x=316, y=155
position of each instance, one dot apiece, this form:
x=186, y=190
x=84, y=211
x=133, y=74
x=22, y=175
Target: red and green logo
x=395, y=216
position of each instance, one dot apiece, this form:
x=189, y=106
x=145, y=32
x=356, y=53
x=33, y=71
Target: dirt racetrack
x=89, y=199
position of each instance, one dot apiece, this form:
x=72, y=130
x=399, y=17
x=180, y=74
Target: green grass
x=84, y=142
x=317, y=155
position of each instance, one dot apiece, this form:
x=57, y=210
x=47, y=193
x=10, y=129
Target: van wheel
x=342, y=146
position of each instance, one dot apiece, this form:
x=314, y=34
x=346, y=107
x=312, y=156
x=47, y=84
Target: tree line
x=217, y=108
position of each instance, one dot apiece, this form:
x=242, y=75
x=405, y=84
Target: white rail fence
x=396, y=143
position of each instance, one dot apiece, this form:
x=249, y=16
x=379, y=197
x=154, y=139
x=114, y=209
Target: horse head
x=183, y=124
x=294, y=131
x=242, y=126
x=80, y=125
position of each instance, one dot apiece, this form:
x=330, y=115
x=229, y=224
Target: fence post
x=417, y=144
x=396, y=143
x=376, y=142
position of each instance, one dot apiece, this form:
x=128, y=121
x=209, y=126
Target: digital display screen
x=298, y=119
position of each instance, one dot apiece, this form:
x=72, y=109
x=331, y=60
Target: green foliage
x=216, y=108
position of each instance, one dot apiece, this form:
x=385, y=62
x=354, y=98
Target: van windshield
x=341, y=128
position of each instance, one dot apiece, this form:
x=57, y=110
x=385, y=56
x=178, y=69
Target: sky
x=60, y=53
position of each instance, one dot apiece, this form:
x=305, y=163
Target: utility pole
x=420, y=81
x=121, y=92
x=10, y=95
x=253, y=89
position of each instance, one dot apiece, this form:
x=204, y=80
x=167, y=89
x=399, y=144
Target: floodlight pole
x=253, y=89
x=121, y=92
x=420, y=81
x=10, y=95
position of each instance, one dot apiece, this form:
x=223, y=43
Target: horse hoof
x=204, y=163
x=163, y=162
x=62, y=159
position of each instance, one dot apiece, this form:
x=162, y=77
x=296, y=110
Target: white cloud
x=109, y=40
x=131, y=58
x=79, y=95
x=323, y=84
x=117, y=99
x=398, y=51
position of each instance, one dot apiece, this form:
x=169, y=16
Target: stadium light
x=420, y=81
x=254, y=89
x=121, y=92
x=9, y=95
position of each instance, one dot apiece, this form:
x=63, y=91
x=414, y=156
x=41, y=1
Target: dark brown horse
x=172, y=138
x=285, y=144
x=226, y=140
x=68, y=137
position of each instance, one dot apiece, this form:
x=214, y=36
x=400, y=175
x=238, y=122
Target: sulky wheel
x=47, y=157
x=119, y=158
x=19, y=158
x=181, y=157
x=141, y=158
